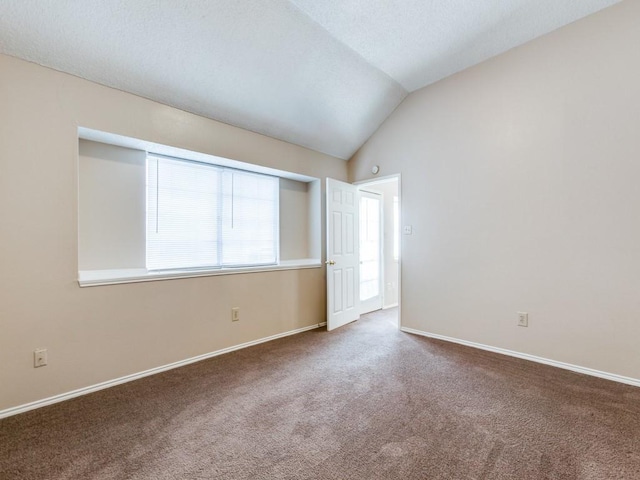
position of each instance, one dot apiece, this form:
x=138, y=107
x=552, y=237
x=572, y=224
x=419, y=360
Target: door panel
x=337, y=233
x=343, y=300
x=337, y=291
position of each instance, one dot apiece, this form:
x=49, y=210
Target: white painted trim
x=8, y=412
x=533, y=358
x=158, y=148
x=374, y=180
x=95, y=278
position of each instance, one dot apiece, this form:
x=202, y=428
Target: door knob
x=330, y=262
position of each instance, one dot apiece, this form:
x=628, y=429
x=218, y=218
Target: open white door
x=343, y=259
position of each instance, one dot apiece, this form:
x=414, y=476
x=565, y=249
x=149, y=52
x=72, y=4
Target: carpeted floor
x=363, y=402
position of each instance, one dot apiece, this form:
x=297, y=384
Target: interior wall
x=316, y=227
x=519, y=178
x=294, y=220
x=111, y=206
x=101, y=333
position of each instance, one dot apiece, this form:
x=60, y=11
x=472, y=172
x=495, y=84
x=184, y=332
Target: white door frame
x=385, y=179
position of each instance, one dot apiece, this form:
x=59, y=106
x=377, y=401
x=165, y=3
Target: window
x=205, y=216
x=150, y=212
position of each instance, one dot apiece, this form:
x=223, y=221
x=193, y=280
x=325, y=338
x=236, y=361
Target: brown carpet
x=363, y=402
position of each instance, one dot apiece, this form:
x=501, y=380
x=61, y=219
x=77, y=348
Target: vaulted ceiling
x=319, y=73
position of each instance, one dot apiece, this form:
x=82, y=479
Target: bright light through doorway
x=379, y=256
x=370, y=249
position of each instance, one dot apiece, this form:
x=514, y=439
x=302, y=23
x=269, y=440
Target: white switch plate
x=407, y=230
x=39, y=357
x=523, y=319
x=235, y=314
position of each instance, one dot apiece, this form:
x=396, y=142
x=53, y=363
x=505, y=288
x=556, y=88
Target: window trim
x=94, y=278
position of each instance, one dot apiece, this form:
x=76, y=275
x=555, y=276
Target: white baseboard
x=135, y=376
x=554, y=363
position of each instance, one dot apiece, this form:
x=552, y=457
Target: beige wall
x=294, y=220
x=111, y=206
x=520, y=179
x=100, y=333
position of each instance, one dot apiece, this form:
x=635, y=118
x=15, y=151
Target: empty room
x=297, y=239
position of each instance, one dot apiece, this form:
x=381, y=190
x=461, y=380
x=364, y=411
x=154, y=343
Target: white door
x=343, y=299
x=370, y=252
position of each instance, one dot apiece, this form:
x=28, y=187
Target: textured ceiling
x=322, y=74
x=418, y=42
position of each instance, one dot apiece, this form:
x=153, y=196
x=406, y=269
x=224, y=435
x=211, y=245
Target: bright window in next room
x=206, y=216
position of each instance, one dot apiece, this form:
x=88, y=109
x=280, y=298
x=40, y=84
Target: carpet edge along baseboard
x=532, y=358
x=8, y=412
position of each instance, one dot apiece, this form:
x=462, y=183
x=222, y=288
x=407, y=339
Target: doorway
x=379, y=244
x=371, y=251
x=380, y=264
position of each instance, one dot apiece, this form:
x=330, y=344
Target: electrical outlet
x=235, y=314
x=39, y=357
x=407, y=230
x=523, y=319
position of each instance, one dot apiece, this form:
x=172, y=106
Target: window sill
x=94, y=278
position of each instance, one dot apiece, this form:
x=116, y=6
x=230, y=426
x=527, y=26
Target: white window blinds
x=204, y=216
x=249, y=219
